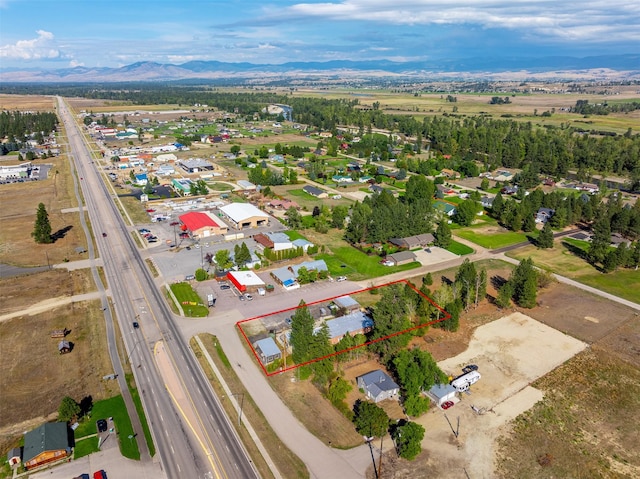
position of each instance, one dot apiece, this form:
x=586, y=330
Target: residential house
x=45, y=444
x=487, y=201
x=447, y=209
x=450, y=173
x=347, y=304
x=378, y=385
x=353, y=323
x=413, y=242
x=544, y=214
x=313, y=191
x=142, y=179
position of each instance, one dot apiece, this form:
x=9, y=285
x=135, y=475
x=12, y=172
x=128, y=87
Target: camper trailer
x=462, y=383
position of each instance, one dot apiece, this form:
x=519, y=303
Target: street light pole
x=241, y=405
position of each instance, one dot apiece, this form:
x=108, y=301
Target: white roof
x=239, y=212
x=246, y=278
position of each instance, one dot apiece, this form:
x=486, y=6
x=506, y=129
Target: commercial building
x=245, y=215
x=203, y=224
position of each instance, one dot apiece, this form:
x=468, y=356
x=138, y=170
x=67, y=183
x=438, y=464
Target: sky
x=113, y=33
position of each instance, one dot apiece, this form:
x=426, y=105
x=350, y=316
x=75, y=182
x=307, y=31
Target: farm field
x=562, y=260
x=26, y=102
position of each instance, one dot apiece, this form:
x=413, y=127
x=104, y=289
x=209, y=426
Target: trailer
x=462, y=383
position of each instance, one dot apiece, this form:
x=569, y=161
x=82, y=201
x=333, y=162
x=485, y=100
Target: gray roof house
x=403, y=257
x=313, y=191
x=415, y=241
x=440, y=393
x=347, y=303
x=544, y=214
x=378, y=385
x=267, y=350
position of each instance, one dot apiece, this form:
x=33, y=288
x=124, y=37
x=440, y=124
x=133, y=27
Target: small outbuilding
x=64, y=347
x=403, y=257
x=440, y=393
x=14, y=456
x=267, y=350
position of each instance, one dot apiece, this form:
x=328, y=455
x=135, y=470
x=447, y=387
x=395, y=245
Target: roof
x=51, y=436
x=444, y=206
x=301, y=243
x=317, y=265
x=268, y=347
x=246, y=185
x=15, y=452
x=196, y=163
x=346, y=302
x=402, y=256
x=246, y=278
x=278, y=237
x=348, y=323
x=239, y=212
x=196, y=220
x=312, y=190
x=439, y=391
x=64, y=345
x=413, y=241
x=377, y=381
x=284, y=275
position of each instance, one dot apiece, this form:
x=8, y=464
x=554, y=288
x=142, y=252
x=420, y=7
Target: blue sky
x=64, y=33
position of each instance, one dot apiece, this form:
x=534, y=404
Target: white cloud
x=584, y=21
x=42, y=47
x=75, y=63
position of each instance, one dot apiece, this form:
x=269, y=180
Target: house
x=486, y=201
x=267, y=350
x=283, y=204
x=275, y=241
x=447, y=208
x=544, y=214
x=440, y=393
x=445, y=190
x=285, y=277
x=376, y=189
x=617, y=239
x=245, y=215
x=313, y=191
x=64, y=347
x=353, y=323
x=317, y=265
x=378, y=385
x=450, y=173
x=509, y=190
x=142, y=179
x=413, y=242
x=202, y=224
x=14, y=456
x=45, y=444
x=341, y=179
x=403, y=257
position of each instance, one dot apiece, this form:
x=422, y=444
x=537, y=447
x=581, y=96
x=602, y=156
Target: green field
x=493, y=240
x=459, y=248
x=189, y=300
x=113, y=407
x=356, y=265
x=563, y=259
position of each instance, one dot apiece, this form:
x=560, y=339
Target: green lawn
x=85, y=447
x=493, y=240
x=294, y=235
x=140, y=410
x=189, y=300
x=351, y=262
x=459, y=248
x=113, y=407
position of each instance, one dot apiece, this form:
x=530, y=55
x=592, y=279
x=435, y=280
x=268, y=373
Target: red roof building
x=203, y=225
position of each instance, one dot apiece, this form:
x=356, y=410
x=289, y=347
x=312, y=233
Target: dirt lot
x=35, y=376
x=26, y=102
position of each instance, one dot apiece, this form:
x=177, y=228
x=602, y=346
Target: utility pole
x=241, y=405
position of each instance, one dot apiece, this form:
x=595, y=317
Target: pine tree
x=600, y=240
x=443, y=235
x=42, y=228
x=545, y=238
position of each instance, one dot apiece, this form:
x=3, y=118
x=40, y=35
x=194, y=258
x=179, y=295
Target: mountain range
x=597, y=67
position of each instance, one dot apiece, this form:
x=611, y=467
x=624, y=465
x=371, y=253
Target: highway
x=215, y=452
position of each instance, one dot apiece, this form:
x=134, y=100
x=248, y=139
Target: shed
x=267, y=350
x=59, y=333
x=14, y=456
x=403, y=257
x=45, y=444
x=347, y=303
x=440, y=393
x=378, y=385
x=64, y=347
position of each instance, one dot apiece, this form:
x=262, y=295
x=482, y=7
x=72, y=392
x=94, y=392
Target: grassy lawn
x=191, y=303
x=135, y=395
x=564, y=259
x=294, y=235
x=85, y=447
x=492, y=240
x=348, y=261
x=459, y=248
x=113, y=407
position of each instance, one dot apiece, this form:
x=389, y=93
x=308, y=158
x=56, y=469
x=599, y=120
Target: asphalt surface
x=219, y=453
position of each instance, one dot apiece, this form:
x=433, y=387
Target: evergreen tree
x=68, y=409
x=294, y=220
x=600, y=240
x=545, y=238
x=610, y=262
x=504, y=295
x=466, y=278
x=301, y=337
x=442, y=235
x=42, y=228
x=497, y=206
x=370, y=419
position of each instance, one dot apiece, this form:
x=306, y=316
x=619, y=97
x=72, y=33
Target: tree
x=484, y=184
x=294, y=220
x=68, y=409
x=242, y=255
x=42, y=228
x=390, y=317
x=600, y=240
x=370, y=420
x=466, y=278
x=338, y=215
x=466, y=212
x=545, y=238
x=408, y=437
x=504, y=295
x=301, y=336
x=223, y=260
x=442, y=235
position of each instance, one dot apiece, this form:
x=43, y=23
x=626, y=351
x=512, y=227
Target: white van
x=462, y=383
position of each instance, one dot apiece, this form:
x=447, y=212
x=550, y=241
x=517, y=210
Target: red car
x=151, y=210
x=446, y=404
x=100, y=474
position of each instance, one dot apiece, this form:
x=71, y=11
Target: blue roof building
x=267, y=350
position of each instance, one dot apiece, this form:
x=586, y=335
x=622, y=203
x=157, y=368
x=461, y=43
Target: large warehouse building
x=203, y=225
x=245, y=215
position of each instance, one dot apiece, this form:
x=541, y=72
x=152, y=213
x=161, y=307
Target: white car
x=341, y=278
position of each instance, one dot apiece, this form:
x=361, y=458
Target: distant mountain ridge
x=471, y=67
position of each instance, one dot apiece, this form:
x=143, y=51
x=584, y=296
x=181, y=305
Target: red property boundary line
x=294, y=366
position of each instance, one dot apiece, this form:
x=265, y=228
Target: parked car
x=341, y=278
x=249, y=297
x=104, y=235
x=225, y=286
x=100, y=474
x=241, y=297
x=82, y=476
x=446, y=405
x=189, y=277
x=136, y=324
x=102, y=425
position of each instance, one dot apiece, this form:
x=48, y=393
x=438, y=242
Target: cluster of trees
x=265, y=176
x=382, y=216
x=283, y=254
x=223, y=260
x=17, y=126
x=498, y=100
x=583, y=107
x=199, y=188
x=521, y=287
